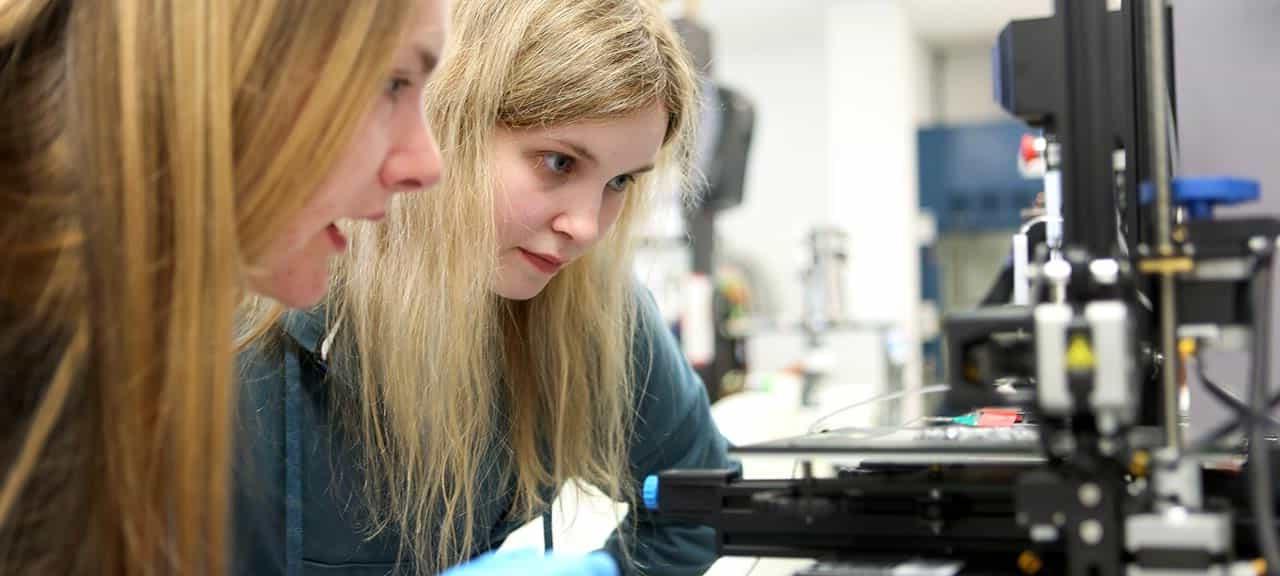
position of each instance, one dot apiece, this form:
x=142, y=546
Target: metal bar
x=1085, y=130
x=1157, y=110
x=1157, y=94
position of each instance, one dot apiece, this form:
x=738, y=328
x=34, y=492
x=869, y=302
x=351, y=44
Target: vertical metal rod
x=1169, y=372
x=1158, y=110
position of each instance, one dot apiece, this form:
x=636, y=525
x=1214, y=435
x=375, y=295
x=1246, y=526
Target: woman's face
x=391, y=152
x=559, y=189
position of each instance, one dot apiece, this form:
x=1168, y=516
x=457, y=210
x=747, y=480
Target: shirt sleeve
x=673, y=429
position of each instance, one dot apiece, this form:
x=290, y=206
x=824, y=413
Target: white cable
x=1026, y=228
x=877, y=399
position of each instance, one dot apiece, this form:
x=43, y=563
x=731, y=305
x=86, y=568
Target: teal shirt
x=299, y=510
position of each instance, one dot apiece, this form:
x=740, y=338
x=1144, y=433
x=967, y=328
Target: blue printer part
x=650, y=492
x=1200, y=195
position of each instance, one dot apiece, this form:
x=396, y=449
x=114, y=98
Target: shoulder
x=656, y=357
x=673, y=426
x=260, y=371
x=666, y=386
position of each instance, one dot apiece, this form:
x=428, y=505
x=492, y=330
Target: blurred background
x=862, y=182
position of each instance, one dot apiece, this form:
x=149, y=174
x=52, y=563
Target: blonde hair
x=196, y=131
x=441, y=374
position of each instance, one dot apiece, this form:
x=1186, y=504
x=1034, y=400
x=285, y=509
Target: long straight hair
x=438, y=375
x=185, y=136
x=42, y=335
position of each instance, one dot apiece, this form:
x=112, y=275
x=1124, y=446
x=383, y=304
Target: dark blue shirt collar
x=306, y=327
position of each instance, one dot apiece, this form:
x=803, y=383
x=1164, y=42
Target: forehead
x=637, y=133
x=429, y=29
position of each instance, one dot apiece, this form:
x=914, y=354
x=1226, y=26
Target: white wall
x=839, y=86
x=1227, y=55
x=965, y=79
x=1228, y=89
x=878, y=89
x=952, y=22
x=775, y=53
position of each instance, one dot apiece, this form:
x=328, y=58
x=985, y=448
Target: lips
x=545, y=263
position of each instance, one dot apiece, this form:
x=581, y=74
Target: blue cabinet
x=969, y=178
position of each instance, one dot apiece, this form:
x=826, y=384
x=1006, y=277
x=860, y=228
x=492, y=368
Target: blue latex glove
x=535, y=563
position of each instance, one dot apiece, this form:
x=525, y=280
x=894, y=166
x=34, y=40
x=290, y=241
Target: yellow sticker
x=1079, y=354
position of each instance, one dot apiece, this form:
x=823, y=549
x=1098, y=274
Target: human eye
x=621, y=183
x=557, y=163
x=397, y=85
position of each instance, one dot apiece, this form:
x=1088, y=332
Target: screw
x=1043, y=533
x=1090, y=495
x=1057, y=270
x=1091, y=532
x=1030, y=563
x=1105, y=271
x=1141, y=462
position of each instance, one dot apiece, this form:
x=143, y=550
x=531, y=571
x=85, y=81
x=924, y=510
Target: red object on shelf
x=998, y=417
x=1028, y=149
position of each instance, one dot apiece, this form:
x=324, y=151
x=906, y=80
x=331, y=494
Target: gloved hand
x=535, y=563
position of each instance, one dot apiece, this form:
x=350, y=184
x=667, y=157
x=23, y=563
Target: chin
x=519, y=290
x=302, y=285
x=302, y=298
x=518, y=295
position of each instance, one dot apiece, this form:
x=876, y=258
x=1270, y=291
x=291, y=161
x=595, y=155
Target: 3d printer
x=1135, y=273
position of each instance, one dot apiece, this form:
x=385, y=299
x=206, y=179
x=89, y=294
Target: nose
x=579, y=219
x=414, y=160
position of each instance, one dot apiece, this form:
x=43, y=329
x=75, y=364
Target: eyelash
x=397, y=85
x=546, y=157
x=627, y=180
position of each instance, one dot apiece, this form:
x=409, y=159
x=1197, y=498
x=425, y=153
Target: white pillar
x=877, y=92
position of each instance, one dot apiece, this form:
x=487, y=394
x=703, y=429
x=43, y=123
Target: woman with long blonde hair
x=488, y=343
x=159, y=160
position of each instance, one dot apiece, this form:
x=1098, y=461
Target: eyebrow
x=578, y=149
x=582, y=151
x=427, y=59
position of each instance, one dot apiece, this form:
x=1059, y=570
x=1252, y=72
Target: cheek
x=516, y=204
x=353, y=181
x=610, y=213
x=295, y=269
x=301, y=280
x=293, y=239
x=356, y=177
